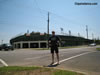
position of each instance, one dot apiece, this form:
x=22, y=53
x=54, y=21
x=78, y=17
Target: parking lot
x=85, y=59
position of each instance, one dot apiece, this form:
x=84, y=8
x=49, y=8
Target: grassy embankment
x=15, y=70
x=98, y=49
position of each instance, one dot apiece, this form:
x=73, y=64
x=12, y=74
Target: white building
x=30, y=44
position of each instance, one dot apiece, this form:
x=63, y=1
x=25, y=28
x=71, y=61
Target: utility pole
x=1, y=41
x=69, y=33
x=78, y=34
x=27, y=31
x=61, y=30
x=92, y=36
x=48, y=29
x=48, y=25
x=87, y=31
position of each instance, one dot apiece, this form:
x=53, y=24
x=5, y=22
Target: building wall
x=30, y=44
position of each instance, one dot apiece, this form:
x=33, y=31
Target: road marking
x=72, y=57
x=3, y=62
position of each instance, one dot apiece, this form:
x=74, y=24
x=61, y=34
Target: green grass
x=16, y=70
x=64, y=72
x=98, y=49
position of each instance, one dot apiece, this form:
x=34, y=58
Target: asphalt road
x=85, y=59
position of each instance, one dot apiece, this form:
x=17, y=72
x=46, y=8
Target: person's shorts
x=54, y=49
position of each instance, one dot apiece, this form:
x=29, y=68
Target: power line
x=61, y=17
x=66, y=20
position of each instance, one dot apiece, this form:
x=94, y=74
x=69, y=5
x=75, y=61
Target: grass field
x=98, y=49
x=16, y=70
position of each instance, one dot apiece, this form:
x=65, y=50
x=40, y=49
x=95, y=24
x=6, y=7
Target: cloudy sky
x=18, y=16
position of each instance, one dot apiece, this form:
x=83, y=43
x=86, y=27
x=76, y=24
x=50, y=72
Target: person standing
x=53, y=43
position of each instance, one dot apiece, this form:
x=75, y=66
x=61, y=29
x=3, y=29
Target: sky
x=18, y=16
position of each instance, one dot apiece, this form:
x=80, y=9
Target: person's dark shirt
x=54, y=41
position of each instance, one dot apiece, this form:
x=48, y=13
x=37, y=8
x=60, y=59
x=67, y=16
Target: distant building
x=39, y=40
x=32, y=40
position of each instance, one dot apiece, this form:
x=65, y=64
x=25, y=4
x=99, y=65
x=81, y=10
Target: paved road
x=85, y=59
